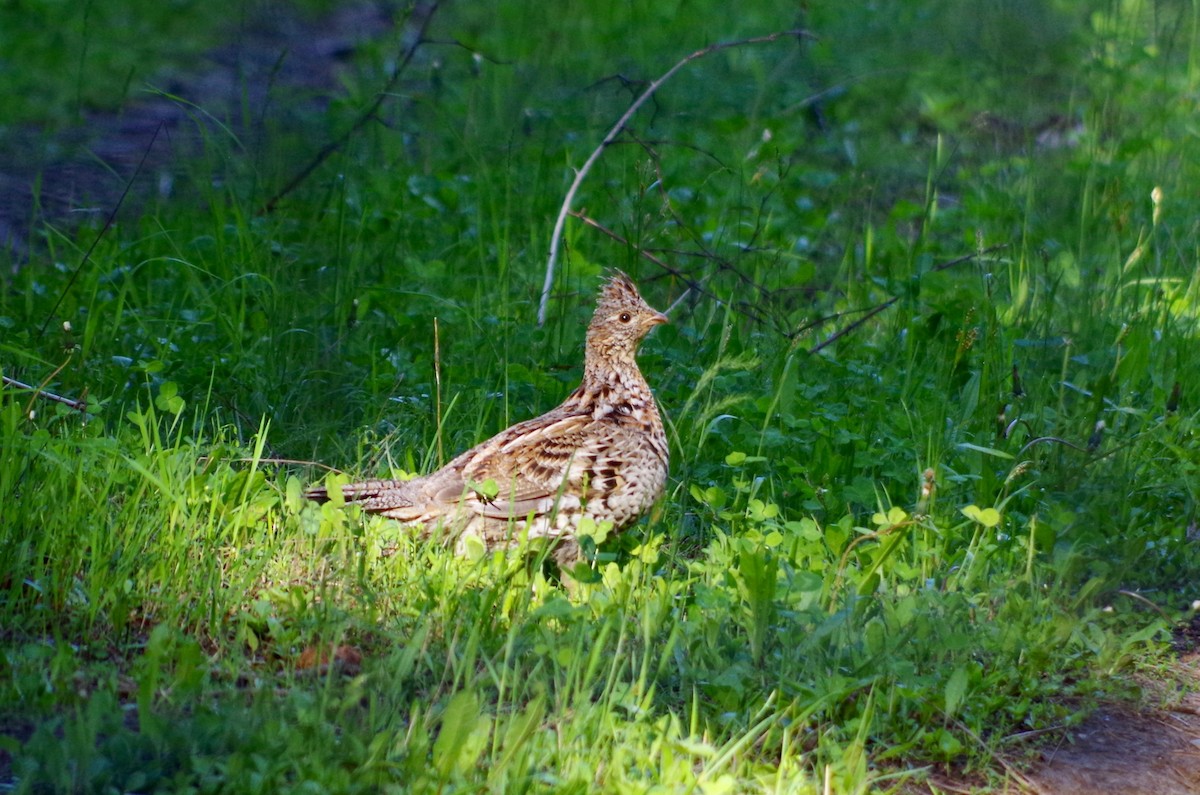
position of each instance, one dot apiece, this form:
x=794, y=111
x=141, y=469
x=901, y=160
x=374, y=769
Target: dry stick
x=560, y=222
x=284, y=461
x=845, y=561
x=698, y=286
x=592, y=222
x=1009, y=768
x=1143, y=600
x=423, y=14
x=1052, y=440
x=437, y=391
x=79, y=405
x=103, y=230
x=843, y=332
x=692, y=284
x=876, y=310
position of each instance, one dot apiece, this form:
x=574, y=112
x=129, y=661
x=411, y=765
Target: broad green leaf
x=988, y=517
x=458, y=722
x=487, y=489
x=956, y=688
x=473, y=548
x=293, y=491
x=893, y=517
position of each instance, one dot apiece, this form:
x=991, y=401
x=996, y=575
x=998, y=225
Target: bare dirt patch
x=1122, y=750
x=1146, y=748
x=279, y=68
x=1118, y=751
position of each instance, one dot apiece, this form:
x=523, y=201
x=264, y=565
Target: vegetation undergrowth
x=899, y=549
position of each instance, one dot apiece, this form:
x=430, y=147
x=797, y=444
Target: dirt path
x=1117, y=752
x=1120, y=751
x=1147, y=748
x=278, y=65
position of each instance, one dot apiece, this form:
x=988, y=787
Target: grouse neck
x=608, y=364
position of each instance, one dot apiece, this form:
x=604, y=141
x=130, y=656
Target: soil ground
x=281, y=67
x=1136, y=751
x=1116, y=750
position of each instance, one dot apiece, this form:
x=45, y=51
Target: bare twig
x=692, y=284
x=1051, y=440
x=423, y=14
x=282, y=461
x=476, y=54
x=876, y=310
x=968, y=257
x=103, y=230
x=844, y=331
x=1138, y=597
x=845, y=561
x=79, y=405
x=1022, y=779
x=560, y=222
x=592, y=222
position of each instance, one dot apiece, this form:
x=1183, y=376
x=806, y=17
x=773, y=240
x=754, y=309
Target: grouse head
x=621, y=320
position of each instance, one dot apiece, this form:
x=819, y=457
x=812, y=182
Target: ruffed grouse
x=601, y=454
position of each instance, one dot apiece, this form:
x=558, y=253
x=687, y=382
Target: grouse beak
x=657, y=319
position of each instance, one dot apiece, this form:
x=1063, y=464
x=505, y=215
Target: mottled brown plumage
x=601, y=454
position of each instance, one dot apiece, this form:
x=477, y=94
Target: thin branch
x=560, y=222
x=968, y=257
x=876, y=310
x=79, y=405
x=811, y=324
x=1137, y=596
x=1049, y=440
x=103, y=230
x=843, y=332
x=282, y=461
x=475, y=52
x=592, y=222
x=692, y=283
x=423, y=13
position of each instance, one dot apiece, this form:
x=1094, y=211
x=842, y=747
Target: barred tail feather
x=353, y=492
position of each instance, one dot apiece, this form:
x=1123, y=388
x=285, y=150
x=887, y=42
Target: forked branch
x=565, y=210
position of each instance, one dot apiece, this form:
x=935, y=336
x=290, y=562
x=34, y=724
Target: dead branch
x=641, y=251
x=560, y=222
x=423, y=14
x=108, y=222
x=877, y=309
x=844, y=331
x=79, y=405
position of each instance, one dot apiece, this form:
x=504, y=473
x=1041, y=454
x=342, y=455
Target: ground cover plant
x=930, y=387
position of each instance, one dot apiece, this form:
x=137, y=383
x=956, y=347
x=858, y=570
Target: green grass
x=797, y=608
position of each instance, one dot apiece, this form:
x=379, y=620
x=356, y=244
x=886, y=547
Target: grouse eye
x=626, y=317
